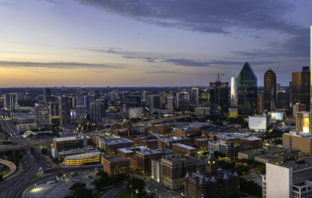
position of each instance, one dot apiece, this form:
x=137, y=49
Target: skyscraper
x=233, y=91
x=300, y=87
x=194, y=97
x=246, y=91
x=64, y=110
x=10, y=101
x=269, y=95
x=46, y=95
x=183, y=101
x=155, y=101
x=97, y=111
x=310, y=123
x=219, y=98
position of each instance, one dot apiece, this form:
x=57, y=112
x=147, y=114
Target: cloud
x=195, y=63
x=187, y=62
x=213, y=16
x=56, y=64
x=147, y=56
x=164, y=71
x=295, y=46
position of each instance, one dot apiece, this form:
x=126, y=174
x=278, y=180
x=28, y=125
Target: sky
x=149, y=42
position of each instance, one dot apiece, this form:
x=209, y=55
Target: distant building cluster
x=200, y=141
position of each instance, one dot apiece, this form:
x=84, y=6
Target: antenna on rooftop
x=218, y=76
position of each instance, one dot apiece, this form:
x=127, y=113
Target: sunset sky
x=149, y=42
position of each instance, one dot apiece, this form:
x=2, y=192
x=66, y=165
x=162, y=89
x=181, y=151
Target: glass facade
x=246, y=91
x=219, y=98
x=269, y=95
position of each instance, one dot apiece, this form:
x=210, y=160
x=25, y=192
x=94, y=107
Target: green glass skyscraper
x=246, y=91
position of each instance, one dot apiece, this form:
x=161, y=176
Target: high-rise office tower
x=283, y=99
x=269, y=95
x=97, y=111
x=260, y=103
x=87, y=102
x=146, y=98
x=246, y=91
x=310, y=120
x=183, y=101
x=10, y=101
x=219, y=98
x=300, y=87
x=42, y=113
x=194, y=96
x=170, y=102
x=155, y=101
x=64, y=110
x=46, y=95
x=233, y=91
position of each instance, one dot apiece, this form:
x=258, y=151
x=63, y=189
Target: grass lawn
x=123, y=194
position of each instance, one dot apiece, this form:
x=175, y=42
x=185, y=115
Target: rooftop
x=83, y=155
x=116, y=159
x=185, y=146
x=71, y=138
x=298, y=164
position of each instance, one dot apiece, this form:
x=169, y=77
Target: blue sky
x=149, y=42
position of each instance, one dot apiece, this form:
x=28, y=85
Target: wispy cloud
x=206, y=16
x=209, y=63
x=164, y=71
x=56, y=64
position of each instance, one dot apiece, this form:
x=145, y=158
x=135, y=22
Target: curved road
x=8, y=187
x=9, y=164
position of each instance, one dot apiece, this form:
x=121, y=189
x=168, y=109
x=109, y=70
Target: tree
x=102, y=180
x=136, y=185
x=44, y=151
x=79, y=190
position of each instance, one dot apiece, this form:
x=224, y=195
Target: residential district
x=237, y=139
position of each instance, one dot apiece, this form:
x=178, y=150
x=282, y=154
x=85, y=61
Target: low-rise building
x=183, y=149
x=258, y=123
x=167, y=142
x=82, y=159
x=298, y=141
x=201, y=143
x=71, y=145
x=175, y=167
x=116, y=165
x=197, y=185
x=187, y=132
x=251, y=142
x=113, y=142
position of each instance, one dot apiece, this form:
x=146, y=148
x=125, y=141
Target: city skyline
x=114, y=43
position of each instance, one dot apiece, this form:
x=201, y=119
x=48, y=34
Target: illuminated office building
x=10, y=101
x=246, y=91
x=82, y=159
x=300, y=87
x=219, y=98
x=233, y=91
x=302, y=121
x=269, y=95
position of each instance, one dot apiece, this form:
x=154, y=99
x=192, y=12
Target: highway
x=8, y=187
x=18, y=192
x=9, y=164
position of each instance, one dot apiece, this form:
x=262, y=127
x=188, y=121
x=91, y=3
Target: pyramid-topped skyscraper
x=246, y=91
